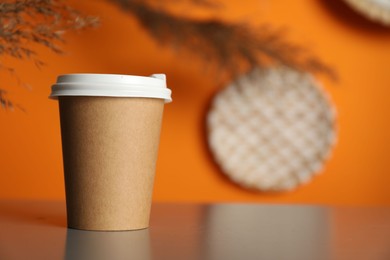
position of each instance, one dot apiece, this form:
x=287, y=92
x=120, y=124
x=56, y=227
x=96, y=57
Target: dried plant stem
x=8, y=104
x=26, y=23
x=4, y=101
x=233, y=47
x=41, y=22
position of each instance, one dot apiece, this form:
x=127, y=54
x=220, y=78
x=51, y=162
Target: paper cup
x=110, y=128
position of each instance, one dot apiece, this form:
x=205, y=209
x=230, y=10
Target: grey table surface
x=37, y=230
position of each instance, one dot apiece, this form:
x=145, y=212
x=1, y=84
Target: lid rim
x=111, y=85
x=108, y=78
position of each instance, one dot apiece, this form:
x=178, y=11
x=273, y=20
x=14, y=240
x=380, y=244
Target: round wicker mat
x=375, y=10
x=271, y=129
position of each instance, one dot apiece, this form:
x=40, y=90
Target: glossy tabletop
x=37, y=230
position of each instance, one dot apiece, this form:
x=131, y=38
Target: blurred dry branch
x=37, y=21
x=25, y=23
x=4, y=101
x=233, y=47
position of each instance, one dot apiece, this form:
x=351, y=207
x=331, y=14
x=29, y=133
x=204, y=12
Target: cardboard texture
x=110, y=149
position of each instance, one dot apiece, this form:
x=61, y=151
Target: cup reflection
x=107, y=245
x=267, y=232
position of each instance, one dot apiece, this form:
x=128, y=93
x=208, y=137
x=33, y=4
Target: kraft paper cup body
x=110, y=129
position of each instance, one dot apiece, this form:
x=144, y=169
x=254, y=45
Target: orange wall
x=358, y=172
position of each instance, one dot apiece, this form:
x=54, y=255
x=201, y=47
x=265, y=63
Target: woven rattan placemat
x=271, y=129
x=375, y=10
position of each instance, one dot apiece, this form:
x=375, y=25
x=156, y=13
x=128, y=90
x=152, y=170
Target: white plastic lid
x=111, y=85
